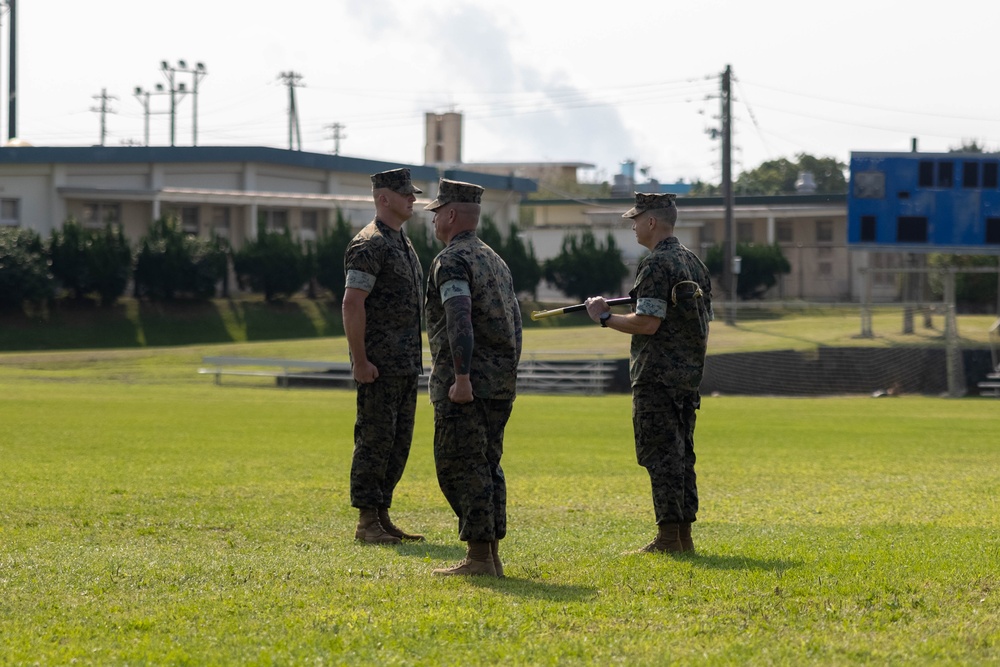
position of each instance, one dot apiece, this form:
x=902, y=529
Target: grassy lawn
x=150, y=517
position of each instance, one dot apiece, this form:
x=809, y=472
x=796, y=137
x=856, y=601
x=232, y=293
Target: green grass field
x=150, y=517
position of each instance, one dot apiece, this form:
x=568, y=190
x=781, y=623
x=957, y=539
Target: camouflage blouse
x=496, y=319
x=673, y=284
x=382, y=262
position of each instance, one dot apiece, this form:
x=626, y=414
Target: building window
x=784, y=231
x=189, y=220
x=869, y=228
x=825, y=269
x=273, y=219
x=10, y=212
x=970, y=175
x=945, y=174
x=911, y=229
x=882, y=260
x=992, y=231
x=824, y=231
x=220, y=222
x=990, y=175
x=744, y=232
x=925, y=178
x=97, y=215
x=309, y=230
x=869, y=185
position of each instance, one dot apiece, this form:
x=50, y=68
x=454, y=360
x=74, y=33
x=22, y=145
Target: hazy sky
x=586, y=81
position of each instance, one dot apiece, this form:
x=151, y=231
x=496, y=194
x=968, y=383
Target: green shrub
x=109, y=263
x=272, y=264
x=171, y=264
x=586, y=268
x=760, y=267
x=24, y=269
x=68, y=253
x=330, y=256
x=85, y=261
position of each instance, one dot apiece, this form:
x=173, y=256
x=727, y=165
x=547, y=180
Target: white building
x=213, y=190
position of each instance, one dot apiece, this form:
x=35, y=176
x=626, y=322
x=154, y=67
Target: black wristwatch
x=604, y=317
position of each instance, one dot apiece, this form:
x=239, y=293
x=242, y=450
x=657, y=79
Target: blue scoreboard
x=925, y=202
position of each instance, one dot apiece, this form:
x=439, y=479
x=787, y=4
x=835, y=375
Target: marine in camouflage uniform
x=673, y=308
x=474, y=330
x=382, y=321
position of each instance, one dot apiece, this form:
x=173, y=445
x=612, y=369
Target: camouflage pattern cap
x=649, y=201
x=397, y=180
x=455, y=192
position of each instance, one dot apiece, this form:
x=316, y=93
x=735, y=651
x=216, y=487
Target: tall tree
x=330, y=250
x=759, y=268
x=778, y=177
x=585, y=267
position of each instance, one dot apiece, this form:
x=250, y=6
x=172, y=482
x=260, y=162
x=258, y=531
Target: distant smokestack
x=913, y=145
x=12, y=76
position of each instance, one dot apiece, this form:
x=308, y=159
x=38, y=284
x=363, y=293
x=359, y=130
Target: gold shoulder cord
x=697, y=294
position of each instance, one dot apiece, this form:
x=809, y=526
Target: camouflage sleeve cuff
x=654, y=307
x=360, y=280
x=454, y=288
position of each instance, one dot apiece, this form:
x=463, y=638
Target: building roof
x=260, y=154
x=703, y=202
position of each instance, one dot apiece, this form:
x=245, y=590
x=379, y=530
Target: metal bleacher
x=591, y=376
x=991, y=385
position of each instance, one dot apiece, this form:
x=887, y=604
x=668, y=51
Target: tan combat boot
x=668, y=540
x=370, y=531
x=687, y=544
x=495, y=550
x=389, y=527
x=478, y=561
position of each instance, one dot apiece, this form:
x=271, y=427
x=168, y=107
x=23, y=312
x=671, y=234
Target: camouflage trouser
x=383, y=432
x=468, y=444
x=664, y=421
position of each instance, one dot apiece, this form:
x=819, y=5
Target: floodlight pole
x=143, y=97
x=198, y=72
x=169, y=71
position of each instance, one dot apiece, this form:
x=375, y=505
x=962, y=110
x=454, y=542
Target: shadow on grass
x=69, y=325
x=436, y=552
x=182, y=323
x=532, y=588
x=277, y=320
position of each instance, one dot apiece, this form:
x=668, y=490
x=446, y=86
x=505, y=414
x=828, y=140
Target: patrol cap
x=455, y=192
x=397, y=180
x=646, y=201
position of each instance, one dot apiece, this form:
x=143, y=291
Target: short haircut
x=667, y=215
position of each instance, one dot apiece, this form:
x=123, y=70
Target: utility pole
x=729, y=275
x=292, y=80
x=3, y=10
x=337, y=135
x=104, y=110
x=12, y=72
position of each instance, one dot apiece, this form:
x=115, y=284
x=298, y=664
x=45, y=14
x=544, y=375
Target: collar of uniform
x=670, y=240
x=463, y=236
x=387, y=230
